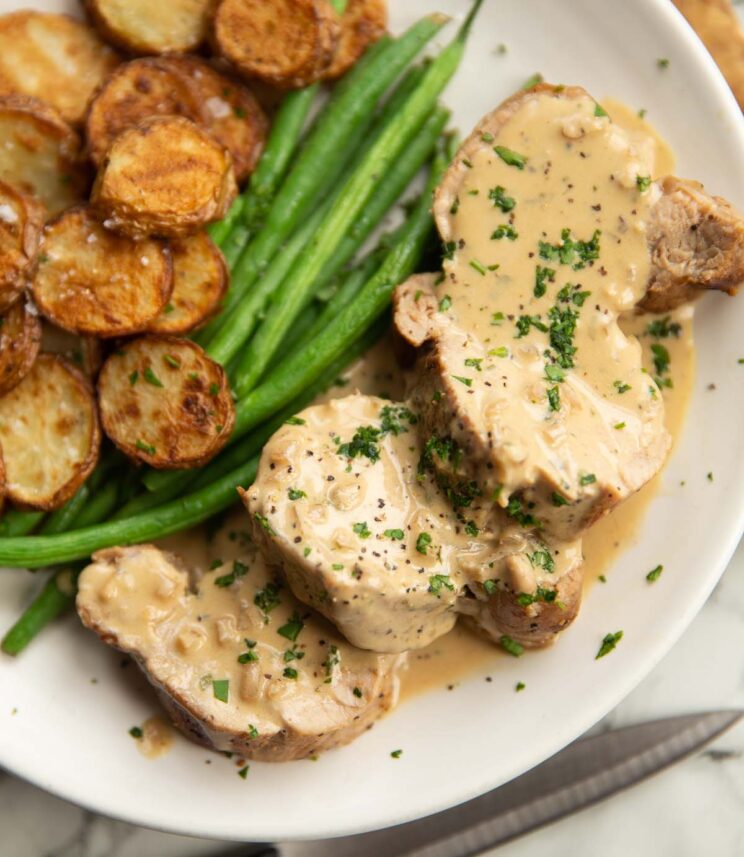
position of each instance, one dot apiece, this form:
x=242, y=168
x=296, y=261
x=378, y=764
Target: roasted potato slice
x=40, y=153
x=20, y=339
x=233, y=115
x=144, y=27
x=152, y=86
x=164, y=177
x=200, y=280
x=21, y=221
x=362, y=24
x=49, y=434
x=86, y=352
x=90, y=280
x=54, y=58
x=164, y=402
x=287, y=43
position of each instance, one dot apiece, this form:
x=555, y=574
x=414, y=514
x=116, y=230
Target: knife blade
x=585, y=772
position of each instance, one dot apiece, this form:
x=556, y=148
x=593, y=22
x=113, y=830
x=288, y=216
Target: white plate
x=69, y=735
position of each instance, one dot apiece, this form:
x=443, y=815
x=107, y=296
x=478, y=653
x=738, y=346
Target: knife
x=585, y=772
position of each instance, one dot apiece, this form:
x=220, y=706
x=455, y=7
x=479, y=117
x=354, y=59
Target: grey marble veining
x=695, y=809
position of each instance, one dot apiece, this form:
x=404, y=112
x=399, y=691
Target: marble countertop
x=695, y=808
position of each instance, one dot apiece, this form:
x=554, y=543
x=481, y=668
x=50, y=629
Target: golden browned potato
x=90, y=280
x=233, y=115
x=362, y=24
x=287, y=43
x=163, y=177
x=153, y=86
x=200, y=280
x=54, y=58
x=147, y=27
x=49, y=434
x=21, y=221
x=40, y=153
x=20, y=339
x=164, y=402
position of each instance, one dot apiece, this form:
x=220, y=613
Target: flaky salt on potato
x=89, y=280
x=20, y=339
x=49, y=434
x=164, y=402
x=362, y=24
x=147, y=27
x=200, y=280
x=232, y=114
x=40, y=154
x=150, y=86
x=163, y=177
x=54, y=58
x=286, y=43
x=21, y=221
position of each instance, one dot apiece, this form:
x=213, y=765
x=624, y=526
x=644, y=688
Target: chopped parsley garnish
x=542, y=559
x=500, y=351
x=511, y=646
x=498, y=196
x=455, y=207
x=291, y=673
x=448, y=250
x=519, y=686
x=524, y=518
x=333, y=659
x=243, y=772
x=396, y=754
x=570, y=294
x=365, y=441
x=252, y=731
x=554, y=398
x=619, y=426
x=558, y=499
x=570, y=251
x=608, y=644
x=490, y=586
x=133, y=377
x=554, y=373
x=296, y=494
x=542, y=277
x=439, y=581
x=504, y=231
x=547, y=596
x=362, y=530
x=172, y=361
x=151, y=377
x=263, y=522
x=599, y=110
x=295, y=421
x=474, y=363
x=662, y=63
x=395, y=535
x=291, y=628
x=654, y=574
x=498, y=318
x=445, y=303
x=663, y=328
x=136, y=732
x=247, y=657
x=144, y=447
x=468, y=382
x=357, y=691
x=478, y=266
x=293, y=655
x=337, y=566
x=533, y=80
x=525, y=322
x=643, y=183
x=394, y=417
x=423, y=542
x=561, y=334
x=510, y=157
x=238, y=570
x=662, y=361
x=587, y=479
x=267, y=599
x=221, y=689
x=471, y=528
x=621, y=387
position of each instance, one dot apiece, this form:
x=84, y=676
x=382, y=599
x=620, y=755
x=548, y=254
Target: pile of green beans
x=307, y=209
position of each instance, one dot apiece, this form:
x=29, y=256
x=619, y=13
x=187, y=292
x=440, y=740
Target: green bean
x=57, y=595
x=18, y=522
x=360, y=206
x=220, y=230
x=351, y=106
x=179, y=514
x=100, y=507
x=61, y=519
